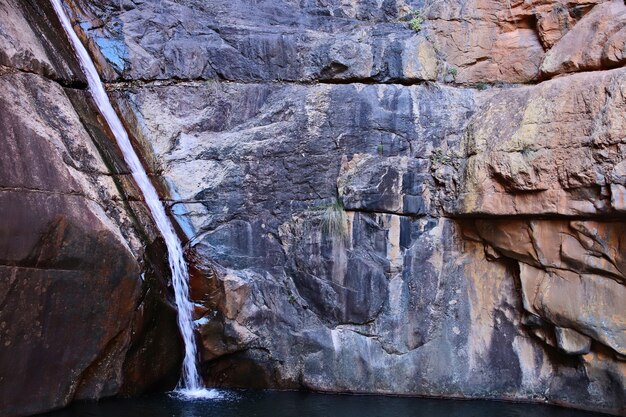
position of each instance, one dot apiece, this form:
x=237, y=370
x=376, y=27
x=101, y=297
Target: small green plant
x=380, y=148
x=416, y=21
x=334, y=221
x=453, y=71
x=481, y=86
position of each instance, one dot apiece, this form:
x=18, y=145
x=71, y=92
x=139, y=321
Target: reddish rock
x=614, y=52
x=596, y=42
x=553, y=24
x=496, y=41
x=547, y=149
x=83, y=300
x=571, y=273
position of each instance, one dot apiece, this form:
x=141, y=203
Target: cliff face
x=413, y=197
x=398, y=197
x=76, y=319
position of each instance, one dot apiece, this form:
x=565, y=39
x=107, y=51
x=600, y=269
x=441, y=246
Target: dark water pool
x=302, y=404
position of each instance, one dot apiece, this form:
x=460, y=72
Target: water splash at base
x=198, y=394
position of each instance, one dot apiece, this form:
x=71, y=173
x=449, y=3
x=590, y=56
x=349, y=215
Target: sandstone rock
x=614, y=52
x=572, y=342
x=561, y=295
x=73, y=324
x=427, y=284
x=600, y=368
x=401, y=294
x=466, y=320
x=394, y=184
x=482, y=41
x=548, y=252
x=596, y=42
x=419, y=60
x=489, y=41
x=233, y=141
x=527, y=154
x=32, y=43
x=286, y=42
x=57, y=246
x=553, y=24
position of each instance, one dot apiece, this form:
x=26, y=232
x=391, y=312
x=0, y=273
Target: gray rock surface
x=269, y=40
x=337, y=186
x=349, y=187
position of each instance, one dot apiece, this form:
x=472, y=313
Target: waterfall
x=190, y=384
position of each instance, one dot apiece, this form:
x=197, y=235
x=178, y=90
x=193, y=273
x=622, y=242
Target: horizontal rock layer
x=475, y=42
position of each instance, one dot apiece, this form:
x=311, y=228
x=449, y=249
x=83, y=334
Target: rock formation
x=84, y=310
x=407, y=197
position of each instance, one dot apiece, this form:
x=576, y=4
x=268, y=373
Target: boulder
x=596, y=42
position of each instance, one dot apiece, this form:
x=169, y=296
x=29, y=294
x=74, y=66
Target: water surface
x=303, y=404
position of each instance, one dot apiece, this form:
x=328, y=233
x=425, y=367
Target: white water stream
x=190, y=384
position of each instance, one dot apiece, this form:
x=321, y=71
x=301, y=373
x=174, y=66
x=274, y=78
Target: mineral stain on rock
x=478, y=165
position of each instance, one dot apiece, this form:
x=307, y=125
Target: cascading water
x=190, y=384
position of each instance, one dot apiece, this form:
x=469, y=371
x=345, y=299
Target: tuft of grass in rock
x=334, y=220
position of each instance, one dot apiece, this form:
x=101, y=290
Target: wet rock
x=82, y=314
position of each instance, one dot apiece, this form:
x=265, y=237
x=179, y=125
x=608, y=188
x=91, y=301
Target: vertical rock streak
x=190, y=383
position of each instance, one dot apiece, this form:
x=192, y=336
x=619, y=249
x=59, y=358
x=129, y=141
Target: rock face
x=551, y=149
x=76, y=319
x=396, y=297
x=508, y=42
x=598, y=42
x=375, y=204
x=378, y=208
